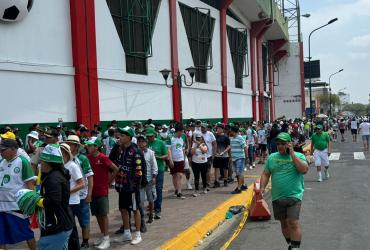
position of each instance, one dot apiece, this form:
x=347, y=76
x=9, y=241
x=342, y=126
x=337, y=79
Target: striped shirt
x=237, y=144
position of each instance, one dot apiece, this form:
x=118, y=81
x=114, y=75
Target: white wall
x=40, y=45
x=289, y=90
x=126, y=96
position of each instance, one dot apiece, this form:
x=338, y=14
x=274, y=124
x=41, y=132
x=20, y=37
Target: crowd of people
x=73, y=170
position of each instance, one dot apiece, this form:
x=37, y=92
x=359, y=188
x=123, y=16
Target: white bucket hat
x=34, y=134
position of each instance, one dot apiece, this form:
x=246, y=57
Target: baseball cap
x=8, y=143
x=8, y=135
x=150, y=132
x=94, y=141
x=284, y=137
x=126, y=130
x=319, y=126
x=220, y=125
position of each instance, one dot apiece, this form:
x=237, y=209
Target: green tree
x=325, y=101
x=358, y=109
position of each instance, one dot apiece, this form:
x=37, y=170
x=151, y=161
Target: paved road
x=335, y=213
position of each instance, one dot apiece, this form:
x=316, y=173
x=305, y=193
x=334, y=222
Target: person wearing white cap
x=30, y=146
x=364, y=129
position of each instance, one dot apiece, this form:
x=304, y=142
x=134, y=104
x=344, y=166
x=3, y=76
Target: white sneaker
x=97, y=242
x=105, y=244
x=254, y=165
x=137, y=238
x=205, y=191
x=327, y=175
x=125, y=237
x=319, y=178
x=189, y=186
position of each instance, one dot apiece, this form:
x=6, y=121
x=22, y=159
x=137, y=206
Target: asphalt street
x=335, y=213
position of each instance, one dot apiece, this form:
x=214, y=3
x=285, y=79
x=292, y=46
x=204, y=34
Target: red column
x=84, y=61
x=253, y=45
x=271, y=90
x=174, y=62
x=224, y=5
x=303, y=97
x=261, y=91
x=257, y=31
x=92, y=63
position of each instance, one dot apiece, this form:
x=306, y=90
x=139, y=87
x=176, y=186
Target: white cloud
x=360, y=41
x=358, y=55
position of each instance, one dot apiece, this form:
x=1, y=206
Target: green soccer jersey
x=160, y=149
x=286, y=181
x=320, y=141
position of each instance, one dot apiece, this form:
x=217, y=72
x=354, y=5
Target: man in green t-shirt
x=321, y=149
x=161, y=154
x=286, y=169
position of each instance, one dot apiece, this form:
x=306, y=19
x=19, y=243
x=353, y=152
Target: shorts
x=100, y=206
x=342, y=130
x=129, y=200
x=82, y=212
x=239, y=166
x=287, y=208
x=321, y=157
x=14, y=222
x=221, y=162
x=262, y=147
x=354, y=131
x=365, y=137
x=150, y=195
x=55, y=241
x=178, y=167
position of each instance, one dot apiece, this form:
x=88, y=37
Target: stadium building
x=93, y=61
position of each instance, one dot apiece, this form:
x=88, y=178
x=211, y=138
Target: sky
x=344, y=44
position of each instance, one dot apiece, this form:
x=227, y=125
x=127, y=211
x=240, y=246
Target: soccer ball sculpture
x=14, y=10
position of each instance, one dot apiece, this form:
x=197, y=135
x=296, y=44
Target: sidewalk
x=177, y=215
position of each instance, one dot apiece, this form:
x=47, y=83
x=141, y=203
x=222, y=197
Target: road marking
x=359, y=155
x=334, y=156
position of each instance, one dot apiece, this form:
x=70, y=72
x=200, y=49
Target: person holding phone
x=286, y=169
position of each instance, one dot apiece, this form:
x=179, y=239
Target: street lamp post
x=309, y=66
x=181, y=78
x=330, y=89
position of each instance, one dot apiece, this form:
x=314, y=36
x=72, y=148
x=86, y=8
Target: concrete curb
x=189, y=238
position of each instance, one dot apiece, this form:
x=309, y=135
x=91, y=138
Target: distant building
x=344, y=98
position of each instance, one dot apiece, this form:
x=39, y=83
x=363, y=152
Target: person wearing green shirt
x=286, y=169
x=161, y=154
x=321, y=150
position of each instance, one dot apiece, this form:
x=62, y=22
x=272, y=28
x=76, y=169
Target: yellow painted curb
x=191, y=236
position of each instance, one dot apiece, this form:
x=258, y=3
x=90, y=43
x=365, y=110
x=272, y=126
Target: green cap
x=52, y=153
x=284, y=137
x=319, y=126
x=150, y=132
x=94, y=141
x=127, y=131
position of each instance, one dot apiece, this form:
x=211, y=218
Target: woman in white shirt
x=199, y=162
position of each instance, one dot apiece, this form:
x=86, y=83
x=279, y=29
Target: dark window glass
x=238, y=42
x=199, y=30
x=214, y=3
x=135, y=21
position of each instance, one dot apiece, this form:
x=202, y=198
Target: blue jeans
x=251, y=154
x=159, y=188
x=57, y=241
